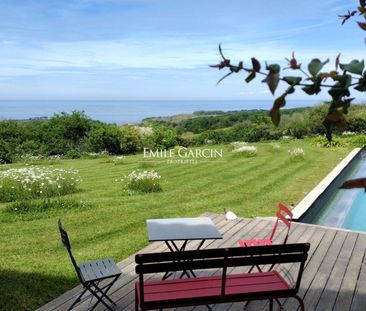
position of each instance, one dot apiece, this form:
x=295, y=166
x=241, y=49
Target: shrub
x=297, y=153
x=250, y=151
x=298, y=130
x=130, y=139
x=357, y=141
x=29, y=147
x=142, y=181
x=163, y=137
x=275, y=147
x=6, y=154
x=33, y=182
x=321, y=141
x=237, y=144
x=56, y=146
x=103, y=137
x=73, y=154
x=70, y=127
x=119, y=160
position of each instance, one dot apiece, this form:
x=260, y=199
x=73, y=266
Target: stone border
x=313, y=195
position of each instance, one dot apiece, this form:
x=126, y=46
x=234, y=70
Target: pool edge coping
x=314, y=194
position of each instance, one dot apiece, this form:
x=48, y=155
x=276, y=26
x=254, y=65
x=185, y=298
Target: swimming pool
x=341, y=208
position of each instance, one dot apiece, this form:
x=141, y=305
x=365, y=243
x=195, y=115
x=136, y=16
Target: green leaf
x=250, y=77
x=272, y=81
x=337, y=92
x=354, y=66
x=315, y=66
x=274, y=68
x=361, y=86
x=292, y=80
x=275, y=113
x=345, y=80
x=309, y=89
x=313, y=88
x=280, y=102
x=235, y=69
x=275, y=116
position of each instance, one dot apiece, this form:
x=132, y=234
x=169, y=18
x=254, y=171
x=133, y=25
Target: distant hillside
x=240, y=114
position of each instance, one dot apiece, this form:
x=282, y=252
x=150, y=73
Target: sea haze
x=131, y=111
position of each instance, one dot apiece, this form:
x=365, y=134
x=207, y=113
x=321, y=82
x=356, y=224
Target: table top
x=167, y=229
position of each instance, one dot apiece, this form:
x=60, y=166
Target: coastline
x=131, y=111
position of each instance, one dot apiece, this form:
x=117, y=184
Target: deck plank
x=295, y=235
x=317, y=253
x=331, y=289
x=125, y=299
x=324, y=270
x=299, y=236
x=334, y=276
x=124, y=295
x=345, y=295
x=359, y=299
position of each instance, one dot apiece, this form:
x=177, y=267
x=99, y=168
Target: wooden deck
x=334, y=277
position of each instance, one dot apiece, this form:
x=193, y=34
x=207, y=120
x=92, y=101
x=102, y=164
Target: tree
x=338, y=81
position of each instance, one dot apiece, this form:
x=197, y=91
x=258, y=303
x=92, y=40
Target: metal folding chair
x=284, y=215
x=90, y=275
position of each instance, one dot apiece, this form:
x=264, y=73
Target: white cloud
x=164, y=53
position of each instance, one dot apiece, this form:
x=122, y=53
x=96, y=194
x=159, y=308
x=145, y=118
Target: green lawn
x=35, y=267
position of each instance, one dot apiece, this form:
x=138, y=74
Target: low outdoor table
x=171, y=230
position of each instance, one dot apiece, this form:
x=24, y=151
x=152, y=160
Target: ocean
x=131, y=111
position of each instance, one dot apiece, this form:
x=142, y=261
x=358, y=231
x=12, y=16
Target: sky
x=161, y=49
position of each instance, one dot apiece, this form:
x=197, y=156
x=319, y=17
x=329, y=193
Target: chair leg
x=78, y=299
x=279, y=303
x=301, y=302
x=108, y=286
x=101, y=293
x=136, y=302
x=99, y=299
x=271, y=304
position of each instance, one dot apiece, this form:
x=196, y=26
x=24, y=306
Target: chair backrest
x=221, y=258
x=66, y=243
x=284, y=215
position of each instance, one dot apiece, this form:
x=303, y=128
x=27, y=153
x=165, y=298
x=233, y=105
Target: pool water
x=342, y=208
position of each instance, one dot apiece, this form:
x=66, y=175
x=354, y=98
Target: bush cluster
x=253, y=126
x=142, y=181
x=75, y=135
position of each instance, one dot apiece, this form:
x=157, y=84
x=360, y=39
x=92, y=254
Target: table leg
x=201, y=244
x=168, y=274
x=173, y=247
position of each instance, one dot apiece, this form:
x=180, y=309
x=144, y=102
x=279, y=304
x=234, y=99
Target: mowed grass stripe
x=116, y=224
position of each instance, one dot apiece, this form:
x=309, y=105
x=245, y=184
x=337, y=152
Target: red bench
x=225, y=287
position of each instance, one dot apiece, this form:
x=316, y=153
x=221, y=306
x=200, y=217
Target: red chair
x=281, y=214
